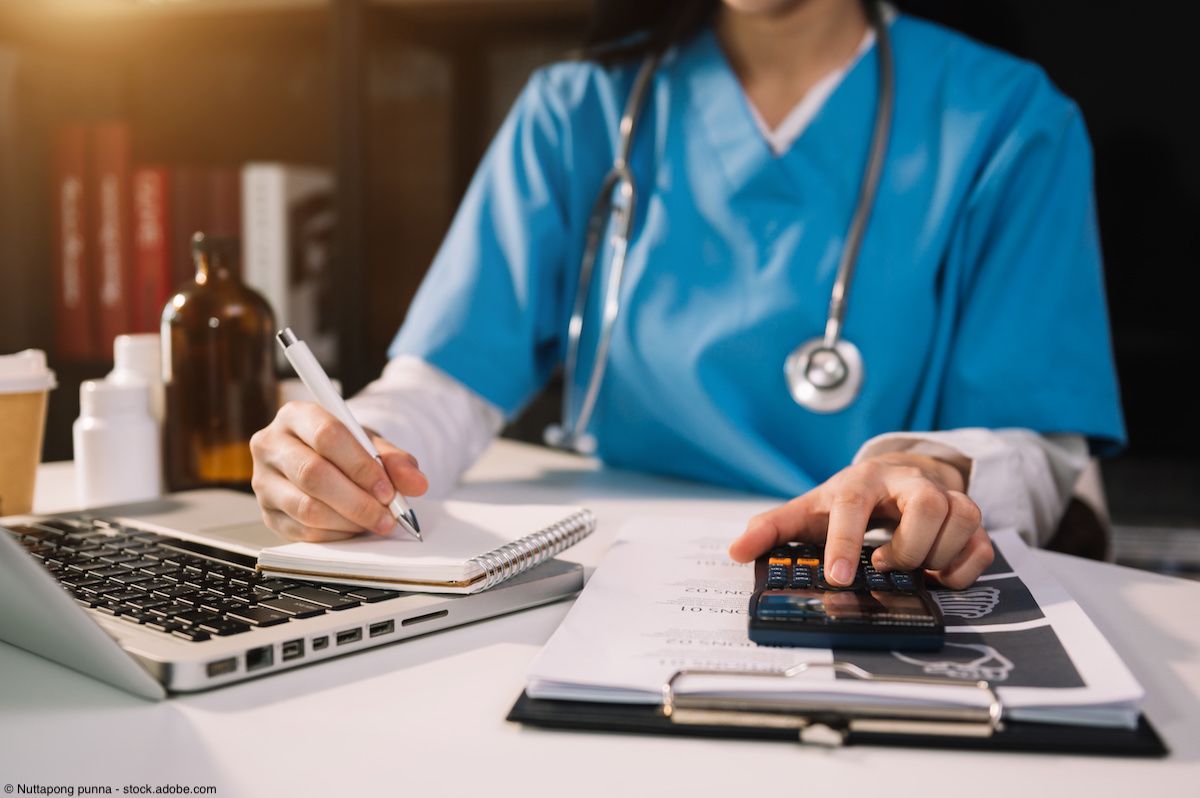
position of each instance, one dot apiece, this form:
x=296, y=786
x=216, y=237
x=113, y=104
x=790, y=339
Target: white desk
x=426, y=716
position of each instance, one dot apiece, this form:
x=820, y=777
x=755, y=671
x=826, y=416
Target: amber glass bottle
x=219, y=370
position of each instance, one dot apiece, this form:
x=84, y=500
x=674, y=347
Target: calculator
x=793, y=605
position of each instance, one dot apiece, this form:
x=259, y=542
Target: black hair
x=625, y=30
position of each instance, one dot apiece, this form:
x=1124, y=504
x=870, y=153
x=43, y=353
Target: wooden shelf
x=358, y=85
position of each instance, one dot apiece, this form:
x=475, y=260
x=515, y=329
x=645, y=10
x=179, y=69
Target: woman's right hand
x=314, y=482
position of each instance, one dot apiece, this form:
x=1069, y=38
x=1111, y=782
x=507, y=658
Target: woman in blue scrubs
x=977, y=302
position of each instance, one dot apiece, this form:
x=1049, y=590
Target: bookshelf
x=397, y=97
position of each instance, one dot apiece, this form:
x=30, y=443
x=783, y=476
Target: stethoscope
x=824, y=374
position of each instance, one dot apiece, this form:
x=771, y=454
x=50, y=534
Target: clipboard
x=850, y=723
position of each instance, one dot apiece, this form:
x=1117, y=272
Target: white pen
x=317, y=381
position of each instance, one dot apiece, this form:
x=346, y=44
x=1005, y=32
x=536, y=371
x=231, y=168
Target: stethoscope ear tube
x=607, y=213
x=824, y=374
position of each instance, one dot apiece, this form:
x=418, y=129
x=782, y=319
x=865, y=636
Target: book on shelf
x=287, y=224
x=123, y=230
x=153, y=279
x=72, y=245
x=112, y=233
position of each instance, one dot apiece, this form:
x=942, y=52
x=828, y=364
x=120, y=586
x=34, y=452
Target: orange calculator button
x=808, y=561
x=780, y=561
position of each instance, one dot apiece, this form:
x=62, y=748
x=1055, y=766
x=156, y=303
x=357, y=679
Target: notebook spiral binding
x=521, y=555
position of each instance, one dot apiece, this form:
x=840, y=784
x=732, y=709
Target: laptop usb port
x=349, y=636
x=382, y=628
x=261, y=657
x=320, y=643
x=221, y=667
x=292, y=649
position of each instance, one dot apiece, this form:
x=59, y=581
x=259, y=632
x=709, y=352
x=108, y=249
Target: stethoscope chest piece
x=822, y=378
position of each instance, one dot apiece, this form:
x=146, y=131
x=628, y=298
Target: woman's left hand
x=939, y=526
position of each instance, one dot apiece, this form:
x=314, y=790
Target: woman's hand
x=939, y=526
x=314, y=481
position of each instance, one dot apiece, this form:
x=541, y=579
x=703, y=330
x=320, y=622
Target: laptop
x=163, y=596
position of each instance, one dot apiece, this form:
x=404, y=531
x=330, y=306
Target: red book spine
x=153, y=282
x=114, y=261
x=73, y=311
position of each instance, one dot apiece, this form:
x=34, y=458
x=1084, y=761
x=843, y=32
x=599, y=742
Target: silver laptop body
x=223, y=529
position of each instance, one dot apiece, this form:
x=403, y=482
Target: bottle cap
x=137, y=355
x=25, y=372
x=102, y=398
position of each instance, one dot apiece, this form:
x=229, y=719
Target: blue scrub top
x=978, y=299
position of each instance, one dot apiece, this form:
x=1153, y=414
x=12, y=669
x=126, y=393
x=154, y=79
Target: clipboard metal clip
x=827, y=722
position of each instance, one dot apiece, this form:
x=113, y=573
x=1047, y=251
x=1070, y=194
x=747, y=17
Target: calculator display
x=840, y=606
x=793, y=605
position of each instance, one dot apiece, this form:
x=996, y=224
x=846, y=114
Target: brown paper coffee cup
x=25, y=383
x=22, y=421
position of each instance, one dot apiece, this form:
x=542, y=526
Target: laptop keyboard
x=176, y=587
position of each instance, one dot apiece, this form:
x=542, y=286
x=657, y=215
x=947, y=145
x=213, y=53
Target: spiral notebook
x=467, y=547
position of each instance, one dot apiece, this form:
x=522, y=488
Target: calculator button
x=779, y=561
x=902, y=581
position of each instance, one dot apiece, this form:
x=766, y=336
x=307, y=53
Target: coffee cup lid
x=25, y=372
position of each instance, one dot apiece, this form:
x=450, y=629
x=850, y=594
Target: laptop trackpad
x=248, y=539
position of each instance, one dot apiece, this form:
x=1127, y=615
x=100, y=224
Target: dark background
x=1131, y=70
x=400, y=99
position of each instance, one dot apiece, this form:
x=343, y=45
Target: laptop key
x=225, y=627
x=373, y=594
x=293, y=607
x=259, y=616
x=119, y=558
x=139, y=616
x=198, y=616
x=192, y=633
x=161, y=569
x=153, y=585
x=323, y=598
x=84, y=566
x=103, y=588
x=111, y=571
x=131, y=578
x=277, y=585
x=170, y=609
x=80, y=581
x=173, y=591
x=218, y=605
x=145, y=602
x=164, y=624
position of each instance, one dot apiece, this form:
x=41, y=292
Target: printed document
x=666, y=597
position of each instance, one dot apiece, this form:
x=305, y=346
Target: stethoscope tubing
x=617, y=214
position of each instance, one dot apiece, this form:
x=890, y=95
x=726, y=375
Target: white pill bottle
x=116, y=444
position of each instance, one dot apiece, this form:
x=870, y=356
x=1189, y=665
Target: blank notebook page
x=454, y=532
